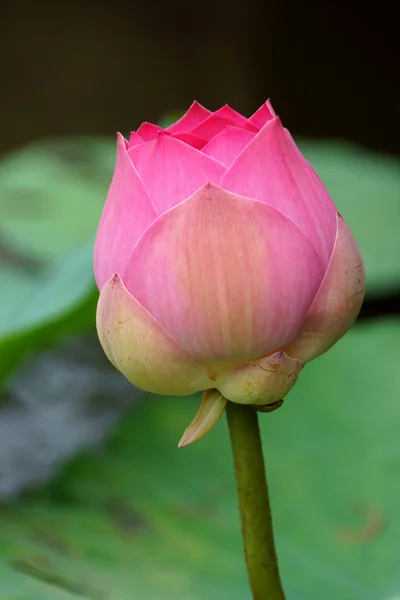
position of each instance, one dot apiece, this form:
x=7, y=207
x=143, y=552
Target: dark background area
x=331, y=69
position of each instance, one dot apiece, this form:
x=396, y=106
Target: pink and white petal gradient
x=338, y=301
x=272, y=169
x=127, y=213
x=140, y=347
x=171, y=170
x=218, y=273
x=222, y=263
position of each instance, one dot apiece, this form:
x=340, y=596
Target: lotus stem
x=254, y=506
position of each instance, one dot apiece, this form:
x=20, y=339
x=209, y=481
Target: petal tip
x=211, y=409
x=270, y=107
x=121, y=139
x=184, y=441
x=122, y=145
x=197, y=104
x=116, y=279
x=208, y=191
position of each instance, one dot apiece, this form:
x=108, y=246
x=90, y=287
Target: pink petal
x=229, y=277
x=171, y=170
x=193, y=140
x=272, y=169
x=141, y=349
x=264, y=114
x=149, y=131
x=128, y=211
x=338, y=301
x=195, y=115
x=264, y=381
x=217, y=121
x=227, y=144
x=134, y=139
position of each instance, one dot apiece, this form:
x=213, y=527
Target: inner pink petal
x=134, y=139
x=227, y=144
x=222, y=118
x=192, y=117
x=193, y=140
x=149, y=131
x=264, y=114
x=172, y=170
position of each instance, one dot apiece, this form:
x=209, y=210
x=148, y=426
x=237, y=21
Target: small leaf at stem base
x=210, y=411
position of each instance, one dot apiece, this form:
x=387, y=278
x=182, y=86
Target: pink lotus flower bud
x=221, y=260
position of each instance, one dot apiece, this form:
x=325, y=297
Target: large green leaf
x=142, y=519
x=51, y=197
x=58, y=302
x=365, y=186
x=52, y=194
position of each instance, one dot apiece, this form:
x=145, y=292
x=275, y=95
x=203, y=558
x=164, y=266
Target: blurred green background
x=96, y=500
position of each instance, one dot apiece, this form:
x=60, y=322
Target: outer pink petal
x=149, y=131
x=128, y=211
x=229, y=277
x=193, y=140
x=172, y=170
x=219, y=120
x=195, y=115
x=338, y=301
x=264, y=114
x=227, y=144
x=272, y=169
x=134, y=139
x=141, y=349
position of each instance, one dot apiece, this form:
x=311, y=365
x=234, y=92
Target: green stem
x=254, y=507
